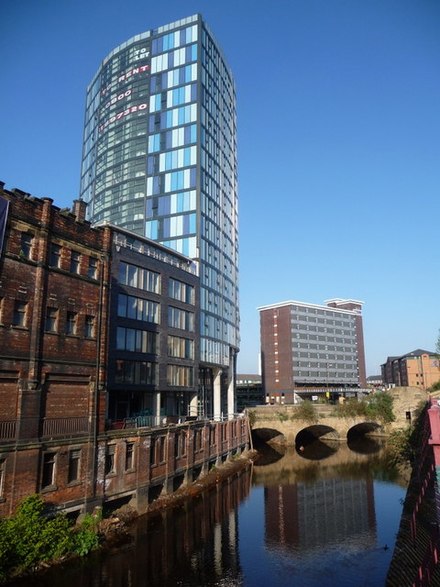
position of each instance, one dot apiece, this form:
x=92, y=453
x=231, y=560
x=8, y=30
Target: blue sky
x=339, y=142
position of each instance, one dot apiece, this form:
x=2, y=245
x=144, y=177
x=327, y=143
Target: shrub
x=252, y=415
x=305, y=411
x=380, y=407
x=351, y=408
x=435, y=386
x=86, y=536
x=30, y=538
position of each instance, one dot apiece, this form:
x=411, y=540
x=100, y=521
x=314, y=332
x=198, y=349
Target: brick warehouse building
x=97, y=344
x=53, y=278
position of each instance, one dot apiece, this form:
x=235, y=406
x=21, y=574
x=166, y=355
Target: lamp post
x=328, y=383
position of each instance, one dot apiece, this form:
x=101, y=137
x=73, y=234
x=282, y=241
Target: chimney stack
x=79, y=210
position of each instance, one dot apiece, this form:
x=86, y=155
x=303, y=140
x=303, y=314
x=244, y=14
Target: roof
x=318, y=306
x=417, y=353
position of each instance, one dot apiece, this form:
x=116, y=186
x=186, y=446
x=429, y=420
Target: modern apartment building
x=153, y=332
x=312, y=346
x=159, y=159
x=419, y=368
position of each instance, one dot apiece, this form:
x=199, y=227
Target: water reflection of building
x=307, y=516
x=196, y=544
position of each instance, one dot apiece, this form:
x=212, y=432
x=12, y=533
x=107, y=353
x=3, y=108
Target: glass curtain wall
x=159, y=159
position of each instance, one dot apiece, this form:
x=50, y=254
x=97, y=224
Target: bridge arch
x=363, y=429
x=365, y=437
x=268, y=435
x=322, y=438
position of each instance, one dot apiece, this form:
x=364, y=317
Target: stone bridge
x=278, y=424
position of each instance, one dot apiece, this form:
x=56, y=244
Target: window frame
x=92, y=269
x=129, y=456
x=75, y=262
x=19, y=316
x=110, y=459
x=2, y=478
x=74, y=465
x=71, y=323
x=55, y=256
x=90, y=327
x=51, y=318
x=26, y=245
x=52, y=468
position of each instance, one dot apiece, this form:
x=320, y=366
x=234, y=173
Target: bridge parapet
x=287, y=421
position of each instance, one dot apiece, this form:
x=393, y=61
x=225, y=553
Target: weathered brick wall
x=47, y=379
x=35, y=357
x=134, y=480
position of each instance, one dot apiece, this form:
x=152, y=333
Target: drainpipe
x=99, y=380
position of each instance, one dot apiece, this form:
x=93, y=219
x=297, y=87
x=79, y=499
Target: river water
x=325, y=517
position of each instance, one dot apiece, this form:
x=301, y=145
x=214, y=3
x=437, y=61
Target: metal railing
x=160, y=421
x=8, y=429
x=65, y=426
x=432, y=554
x=58, y=427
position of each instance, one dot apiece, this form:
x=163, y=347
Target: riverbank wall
x=133, y=466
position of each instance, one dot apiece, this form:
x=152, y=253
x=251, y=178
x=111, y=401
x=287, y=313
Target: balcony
x=31, y=428
x=56, y=427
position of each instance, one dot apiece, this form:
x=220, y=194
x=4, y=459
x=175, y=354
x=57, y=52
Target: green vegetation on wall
x=30, y=538
x=305, y=411
x=378, y=406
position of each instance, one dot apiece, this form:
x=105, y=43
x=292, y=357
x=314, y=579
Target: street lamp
x=328, y=365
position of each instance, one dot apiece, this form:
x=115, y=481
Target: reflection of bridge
x=290, y=467
x=281, y=424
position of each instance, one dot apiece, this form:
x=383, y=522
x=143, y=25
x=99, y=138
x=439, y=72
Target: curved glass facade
x=159, y=159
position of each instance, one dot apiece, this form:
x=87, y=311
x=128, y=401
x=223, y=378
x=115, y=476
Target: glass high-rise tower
x=159, y=159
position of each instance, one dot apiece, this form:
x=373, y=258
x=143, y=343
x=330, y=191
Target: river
x=325, y=517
